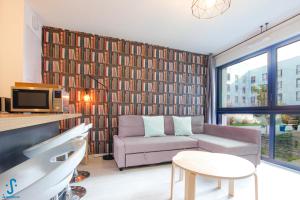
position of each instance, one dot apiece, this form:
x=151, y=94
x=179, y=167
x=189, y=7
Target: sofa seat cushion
x=144, y=144
x=224, y=145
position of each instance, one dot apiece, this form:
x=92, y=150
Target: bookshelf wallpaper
x=143, y=79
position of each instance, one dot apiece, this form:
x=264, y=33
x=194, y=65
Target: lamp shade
x=206, y=9
x=86, y=97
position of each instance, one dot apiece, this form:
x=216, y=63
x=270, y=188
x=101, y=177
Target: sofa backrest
x=133, y=125
x=245, y=134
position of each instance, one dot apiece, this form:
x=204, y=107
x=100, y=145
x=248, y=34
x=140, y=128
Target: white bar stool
x=81, y=175
x=79, y=131
x=43, y=176
x=55, y=141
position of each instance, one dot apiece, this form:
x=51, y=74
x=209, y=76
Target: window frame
x=279, y=94
x=297, y=95
x=236, y=88
x=298, y=69
x=264, y=77
x=272, y=108
x=297, y=82
x=253, y=79
x=279, y=84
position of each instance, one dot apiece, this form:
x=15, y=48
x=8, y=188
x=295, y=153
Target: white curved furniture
x=80, y=175
x=84, y=136
x=55, y=141
x=86, y=130
x=79, y=132
x=43, y=177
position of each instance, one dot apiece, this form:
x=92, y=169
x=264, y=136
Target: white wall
x=280, y=33
x=11, y=44
x=20, y=45
x=32, y=46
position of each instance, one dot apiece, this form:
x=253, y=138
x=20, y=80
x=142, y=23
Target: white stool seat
x=55, y=141
x=86, y=130
x=42, y=177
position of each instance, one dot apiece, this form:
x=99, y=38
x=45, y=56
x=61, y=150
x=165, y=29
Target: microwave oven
x=36, y=99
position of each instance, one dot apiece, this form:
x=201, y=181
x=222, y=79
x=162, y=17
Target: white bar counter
x=14, y=121
x=21, y=131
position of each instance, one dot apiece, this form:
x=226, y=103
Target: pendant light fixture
x=206, y=9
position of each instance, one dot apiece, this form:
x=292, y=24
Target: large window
x=251, y=76
x=288, y=61
x=266, y=86
x=257, y=122
x=287, y=140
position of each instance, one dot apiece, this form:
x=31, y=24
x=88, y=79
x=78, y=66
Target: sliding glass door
x=262, y=91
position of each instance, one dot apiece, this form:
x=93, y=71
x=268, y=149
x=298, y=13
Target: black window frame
x=272, y=108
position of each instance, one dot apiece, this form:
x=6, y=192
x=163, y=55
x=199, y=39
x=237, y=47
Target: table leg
x=219, y=183
x=256, y=186
x=172, y=181
x=190, y=180
x=231, y=187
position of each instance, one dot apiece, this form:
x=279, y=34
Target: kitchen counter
x=21, y=131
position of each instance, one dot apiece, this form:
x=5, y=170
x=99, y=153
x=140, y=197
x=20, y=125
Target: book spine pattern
x=143, y=79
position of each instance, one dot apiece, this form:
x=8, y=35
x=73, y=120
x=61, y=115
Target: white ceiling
x=165, y=22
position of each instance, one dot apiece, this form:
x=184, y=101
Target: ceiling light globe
x=206, y=9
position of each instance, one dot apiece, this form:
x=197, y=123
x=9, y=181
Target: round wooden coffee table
x=214, y=165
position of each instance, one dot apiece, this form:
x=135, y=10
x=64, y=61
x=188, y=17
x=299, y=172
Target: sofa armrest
x=119, y=151
x=236, y=133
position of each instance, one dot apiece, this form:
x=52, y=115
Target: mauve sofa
x=131, y=148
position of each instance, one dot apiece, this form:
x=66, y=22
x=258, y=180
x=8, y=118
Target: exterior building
x=250, y=88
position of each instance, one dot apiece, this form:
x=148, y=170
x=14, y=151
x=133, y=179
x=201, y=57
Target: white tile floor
x=153, y=183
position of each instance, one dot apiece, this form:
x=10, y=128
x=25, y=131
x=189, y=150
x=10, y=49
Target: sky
x=289, y=51
x=283, y=53
x=243, y=67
